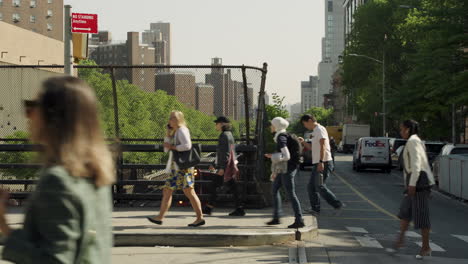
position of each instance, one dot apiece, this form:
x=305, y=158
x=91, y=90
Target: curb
x=193, y=239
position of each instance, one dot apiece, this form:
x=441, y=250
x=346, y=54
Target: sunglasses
x=29, y=105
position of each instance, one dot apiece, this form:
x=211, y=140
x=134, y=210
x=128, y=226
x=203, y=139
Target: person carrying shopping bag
x=180, y=178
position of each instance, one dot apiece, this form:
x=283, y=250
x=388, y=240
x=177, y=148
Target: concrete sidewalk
x=131, y=228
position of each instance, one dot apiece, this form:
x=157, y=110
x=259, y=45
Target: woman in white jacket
x=178, y=139
x=418, y=182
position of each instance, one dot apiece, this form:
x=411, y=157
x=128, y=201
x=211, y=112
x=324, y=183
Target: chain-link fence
x=135, y=104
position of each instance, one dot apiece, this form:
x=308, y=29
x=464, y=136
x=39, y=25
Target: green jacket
x=68, y=220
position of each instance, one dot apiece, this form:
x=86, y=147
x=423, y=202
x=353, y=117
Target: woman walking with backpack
x=285, y=163
x=179, y=135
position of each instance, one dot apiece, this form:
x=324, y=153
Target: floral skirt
x=180, y=179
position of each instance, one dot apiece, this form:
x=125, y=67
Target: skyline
x=295, y=29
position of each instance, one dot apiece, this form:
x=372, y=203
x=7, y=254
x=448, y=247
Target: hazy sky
x=285, y=34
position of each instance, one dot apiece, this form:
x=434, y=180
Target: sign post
x=84, y=23
x=68, y=63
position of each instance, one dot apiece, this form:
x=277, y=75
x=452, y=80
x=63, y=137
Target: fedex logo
x=374, y=144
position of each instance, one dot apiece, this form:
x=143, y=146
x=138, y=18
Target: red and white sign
x=84, y=23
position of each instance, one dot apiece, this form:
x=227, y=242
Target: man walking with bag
x=322, y=167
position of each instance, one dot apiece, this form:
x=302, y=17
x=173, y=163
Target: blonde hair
x=180, y=118
x=71, y=130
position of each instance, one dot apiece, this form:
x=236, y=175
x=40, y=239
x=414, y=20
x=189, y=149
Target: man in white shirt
x=322, y=166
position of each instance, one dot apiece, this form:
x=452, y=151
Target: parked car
x=397, y=159
x=306, y=157
x=372, y=152
x=433, y=149
x=395, y=143
x=448, y=149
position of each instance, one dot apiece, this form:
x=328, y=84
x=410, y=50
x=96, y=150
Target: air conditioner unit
x=16, y=5
x=33, y=5
x=16, y=20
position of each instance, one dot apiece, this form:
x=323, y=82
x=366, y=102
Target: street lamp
x=383, y=85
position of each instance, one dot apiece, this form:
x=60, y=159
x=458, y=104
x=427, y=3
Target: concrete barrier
x=453, y=175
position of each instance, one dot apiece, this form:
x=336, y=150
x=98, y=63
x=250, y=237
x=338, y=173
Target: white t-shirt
x=319, y=133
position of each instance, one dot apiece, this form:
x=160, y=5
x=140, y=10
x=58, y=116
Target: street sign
x=84, y=23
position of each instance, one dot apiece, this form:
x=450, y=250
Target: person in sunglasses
x=68, y=218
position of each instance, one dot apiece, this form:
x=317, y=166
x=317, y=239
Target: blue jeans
x=286, y=180
x=317, y=185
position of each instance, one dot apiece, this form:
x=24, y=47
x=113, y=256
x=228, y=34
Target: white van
x=372, y=152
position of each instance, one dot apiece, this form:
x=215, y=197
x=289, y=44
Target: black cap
x=222, y=119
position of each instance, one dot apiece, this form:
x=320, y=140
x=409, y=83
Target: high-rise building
x=179, y=84
x=159, y=35
x=349, y=9
x=250, y=104
x=40, y=16
x=217, y=79
x=204, y=98
x=309, y=93
x=295, y=111
x=129, y=53
x=332, y=46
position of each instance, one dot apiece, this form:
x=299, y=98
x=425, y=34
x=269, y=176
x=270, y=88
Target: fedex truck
x=372, y=152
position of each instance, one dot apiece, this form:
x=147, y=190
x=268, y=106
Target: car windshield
x=459, y=151
x=434, y=148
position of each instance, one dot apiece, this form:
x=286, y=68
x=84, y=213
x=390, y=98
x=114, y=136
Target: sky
x=285, y=34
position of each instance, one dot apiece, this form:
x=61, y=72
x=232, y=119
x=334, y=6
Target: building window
x=49, y=1
x=1, y=16
x=1, y=2
x=49, y=27
x=49, y=13
x=330, y=6
x=330, y=18
x=16, y=3
x=16, y=17
x=32, y=19
x=33, y=3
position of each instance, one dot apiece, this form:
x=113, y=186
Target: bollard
x=298, y=235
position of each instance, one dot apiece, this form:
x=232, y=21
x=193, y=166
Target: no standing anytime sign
x=84, y=23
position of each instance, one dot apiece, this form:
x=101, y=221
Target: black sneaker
x=207, y=210
x=297, y=225
x=274, y=222
x=238, y=212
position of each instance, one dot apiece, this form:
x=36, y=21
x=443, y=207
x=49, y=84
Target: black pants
x=218, y=181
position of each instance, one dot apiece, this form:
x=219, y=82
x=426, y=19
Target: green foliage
x=323, y=117
x=144, y=114
x=17, y=157
x=424, y=60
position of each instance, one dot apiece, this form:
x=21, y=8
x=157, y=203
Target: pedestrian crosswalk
x=367, y=239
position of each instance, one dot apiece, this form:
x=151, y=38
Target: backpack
x=294, y=147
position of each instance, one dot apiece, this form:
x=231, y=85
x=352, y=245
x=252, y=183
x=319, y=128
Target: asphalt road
x=369, y=224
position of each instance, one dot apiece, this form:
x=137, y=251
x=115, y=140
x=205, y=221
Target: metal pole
x=454, y=134
x=384, y=110
x=67, y=35
x=116, y=106
x=246, y=106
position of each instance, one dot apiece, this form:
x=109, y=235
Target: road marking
x=412, y=234
x=433, y=246
x=349, y=209
x=464, y=238
x=297, y=255
x=368, y=242
x=365, y=198
x=292, y=255
x=363, y=219
x=302, y=255
x=356, y=229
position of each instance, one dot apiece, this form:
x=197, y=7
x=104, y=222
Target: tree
x=321, y=114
